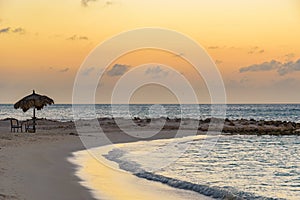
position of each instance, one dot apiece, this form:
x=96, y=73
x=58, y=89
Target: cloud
x=87, y=71
x=5, y=30
x=19, y=30
x=256, y=50
x=252, y=50
x=266, y=66
x=156, y=72
x=64, y=70
x=108, y=3
x=289, y=67
x=245, y=80
x=281, y=68
x=11, y=30
x=76, y=37
x=213, y=47
x=85, y=3
x=118, y=70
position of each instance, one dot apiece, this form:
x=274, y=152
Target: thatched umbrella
x=34, y=101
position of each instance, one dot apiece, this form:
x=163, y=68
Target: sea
x=237, y=167
x=64, y=112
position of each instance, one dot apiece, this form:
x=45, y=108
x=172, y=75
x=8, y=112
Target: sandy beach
x=34, y=166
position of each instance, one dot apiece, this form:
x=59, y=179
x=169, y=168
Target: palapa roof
x=33, y=101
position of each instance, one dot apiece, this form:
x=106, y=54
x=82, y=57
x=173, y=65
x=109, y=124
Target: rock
x=297, y=131
x=230, y=123
x=244, y=122
x=289, y=125
x=207, y=120
x=261, y=123
x=227, y=120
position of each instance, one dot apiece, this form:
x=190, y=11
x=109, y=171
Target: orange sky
x=43, y=43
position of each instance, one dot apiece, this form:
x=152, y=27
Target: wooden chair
x=29, y=126
x=15, y=124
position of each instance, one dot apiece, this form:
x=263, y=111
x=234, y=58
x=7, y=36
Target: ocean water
x=238, y=167
x=63, y=112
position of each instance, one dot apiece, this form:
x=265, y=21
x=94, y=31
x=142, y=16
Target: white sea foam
x=106, y=181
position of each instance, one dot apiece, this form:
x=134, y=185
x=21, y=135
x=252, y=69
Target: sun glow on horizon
x=49, y=40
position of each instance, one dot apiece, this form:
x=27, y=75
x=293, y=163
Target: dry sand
x=34, y=166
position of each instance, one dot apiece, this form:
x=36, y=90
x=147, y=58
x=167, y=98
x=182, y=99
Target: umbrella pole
x=34, y=119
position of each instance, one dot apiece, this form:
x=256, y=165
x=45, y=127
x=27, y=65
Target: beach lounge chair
x=15, y=124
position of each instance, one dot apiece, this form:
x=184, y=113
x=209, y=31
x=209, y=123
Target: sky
x=255, y=45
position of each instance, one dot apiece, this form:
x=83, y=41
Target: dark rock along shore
x=228, y=126
x=235, y=126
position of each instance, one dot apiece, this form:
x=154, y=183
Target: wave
x=211, y=191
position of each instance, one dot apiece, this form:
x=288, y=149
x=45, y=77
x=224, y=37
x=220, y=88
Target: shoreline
x=35, y=165
x=109, y=181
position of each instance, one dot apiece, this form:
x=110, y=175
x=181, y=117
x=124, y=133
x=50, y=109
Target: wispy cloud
x=85, y=3
x=77, y=37
x=213, y=47
x=216, y=47
x=118, y=70
x=289, y=67
x=156, y=72
x=281, y=68
x=108, y=3
x=19, y=30
x=256, y=50
x=266, y=66
x=5, y=30
x=13, y=30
